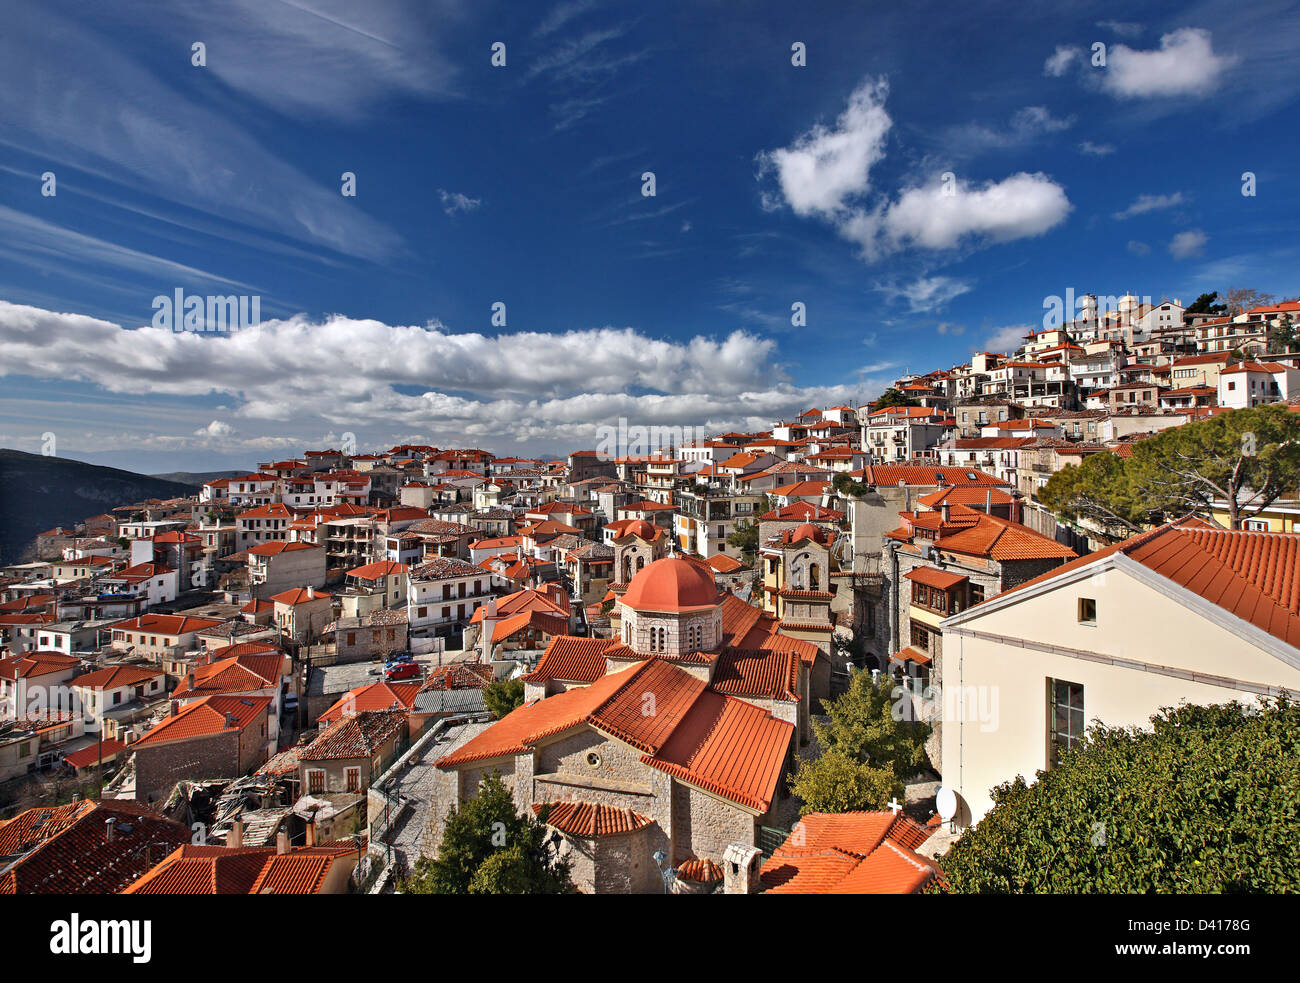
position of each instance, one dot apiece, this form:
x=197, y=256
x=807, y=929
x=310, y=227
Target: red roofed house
x=276, y=567
x=83, y=848
x=215, y=737
x=36, y=683
x=352, y=750
x=1185, y=612
x=848, y=853
x=233, y=869
x=110, y=698
x=303, y=612
x=676, y=735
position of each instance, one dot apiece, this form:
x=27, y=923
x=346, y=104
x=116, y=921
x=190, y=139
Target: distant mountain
x=39, y=493
x=196, y=478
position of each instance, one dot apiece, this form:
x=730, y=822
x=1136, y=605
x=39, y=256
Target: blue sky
x=776, y=184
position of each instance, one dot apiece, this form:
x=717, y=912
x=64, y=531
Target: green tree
x=487, y=847
x=1208, y=801
x=1205, y=304
x=745, y=538
x=1096, y=489
x=1281, y=337
x=866, y=750
x=1243, y=460
x=503, y=696
x=844, y=484
x=893, y=397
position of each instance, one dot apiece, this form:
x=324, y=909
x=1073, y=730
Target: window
x=1087, y=611
x=976, y=593
x=353, y=779
x=1066, y=717
x=315, y=780
x=920, y=637
x=1256, y=525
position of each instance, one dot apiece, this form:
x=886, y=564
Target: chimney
x=311, y=834
x=945, y=513
x=741, y=864
x=235, y=838
x=988, y=502
x=109, y=823
x=281, y=843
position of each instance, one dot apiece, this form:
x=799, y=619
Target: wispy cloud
x=1150, y=203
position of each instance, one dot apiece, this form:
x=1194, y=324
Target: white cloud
x=1138, y=248
x=1020, y=206
x=1125, y=29
x=293, y=379
x=1150, y=203
x=927, y=292
x=1096, y=149
x=454, y=201
x=217, y=428
x=1007, y=339
x=1060, y=60
x=1184, y=65
x=1025, y=125
x=1188, y=243
x=827, y=166
x=947, y=328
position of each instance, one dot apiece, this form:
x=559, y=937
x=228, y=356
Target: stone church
x=662, y=746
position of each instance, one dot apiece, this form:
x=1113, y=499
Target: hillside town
x=296, y=679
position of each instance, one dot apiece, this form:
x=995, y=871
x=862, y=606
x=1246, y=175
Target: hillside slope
x=195, y=479
x=38, y=493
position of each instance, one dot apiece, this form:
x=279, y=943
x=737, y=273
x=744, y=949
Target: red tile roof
x=1253, y=575
x=940, y=579
x=850, y=853
x=112, y=677
x=210, y=715
x=356, y=736
x=66, y=849
x=723, y=745
x=591, y=819
x=194, y=869
x=375, y=696
x=238, y=674
x=571, y=658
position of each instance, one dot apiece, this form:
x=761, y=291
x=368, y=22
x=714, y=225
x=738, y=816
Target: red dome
x=672, y=584
x=806, y=531
x=641, y=529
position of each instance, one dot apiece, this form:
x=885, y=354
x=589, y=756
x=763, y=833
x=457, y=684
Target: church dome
x=640, y=529
x=806, y=531
x=672, y=584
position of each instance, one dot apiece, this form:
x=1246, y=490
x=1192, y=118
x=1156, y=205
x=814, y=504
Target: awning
x=941, y=579
x=911, y=654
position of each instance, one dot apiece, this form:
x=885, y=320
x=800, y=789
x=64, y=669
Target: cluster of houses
x=299, y=655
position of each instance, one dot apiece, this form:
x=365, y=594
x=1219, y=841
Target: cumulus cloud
x=827, y=166
x=1020, y=206
x=1184, y=65
x=1150, y=203
x=1187, y=244
x=303, y=377
x=1007, y=339
x=826, y=174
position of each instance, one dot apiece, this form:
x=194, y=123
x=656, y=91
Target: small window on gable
x=1087, y=611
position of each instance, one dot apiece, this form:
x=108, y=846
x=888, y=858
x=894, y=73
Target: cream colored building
x=1115, y=636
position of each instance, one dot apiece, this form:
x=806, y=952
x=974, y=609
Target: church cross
x=894, y=806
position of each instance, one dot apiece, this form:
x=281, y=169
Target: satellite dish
x=946, y=801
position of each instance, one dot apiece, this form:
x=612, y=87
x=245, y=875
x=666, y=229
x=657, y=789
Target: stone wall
x=704, y=825
x=160, y=766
